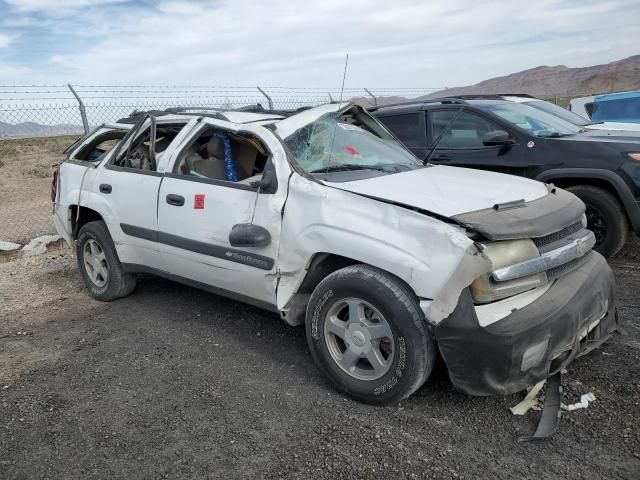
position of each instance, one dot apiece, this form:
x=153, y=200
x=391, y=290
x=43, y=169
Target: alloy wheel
x=359, y=339
x=95, y=263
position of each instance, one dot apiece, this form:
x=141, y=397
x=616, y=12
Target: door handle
x=105, y=188
x=177, y=200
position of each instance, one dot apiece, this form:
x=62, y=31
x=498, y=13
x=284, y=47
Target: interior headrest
x=215, y=147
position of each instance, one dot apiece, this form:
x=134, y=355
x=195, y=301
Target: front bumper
x=574, y=316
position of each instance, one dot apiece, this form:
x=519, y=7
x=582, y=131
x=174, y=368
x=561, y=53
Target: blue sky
x=402, y=43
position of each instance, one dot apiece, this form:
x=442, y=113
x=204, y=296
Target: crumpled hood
x=447, y=191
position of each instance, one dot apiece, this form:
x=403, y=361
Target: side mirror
x=497, y=138
x=249, y=235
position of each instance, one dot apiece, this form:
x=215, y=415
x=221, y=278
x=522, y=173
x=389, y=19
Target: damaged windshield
x=338, y=145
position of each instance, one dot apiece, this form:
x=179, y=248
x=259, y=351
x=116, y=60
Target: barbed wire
x=35, y=105
x=49, y=117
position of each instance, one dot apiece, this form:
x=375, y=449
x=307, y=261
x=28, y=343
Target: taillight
x=54, y=185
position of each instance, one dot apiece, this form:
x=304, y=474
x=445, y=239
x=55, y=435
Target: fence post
x=83, y=112
x=375, y=100
x=269, y=101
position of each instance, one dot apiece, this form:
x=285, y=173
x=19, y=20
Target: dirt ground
x=173, y=382
x=25, y=177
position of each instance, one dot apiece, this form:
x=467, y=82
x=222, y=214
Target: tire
x=390, y=329
x=605, y=218
x=99, y=265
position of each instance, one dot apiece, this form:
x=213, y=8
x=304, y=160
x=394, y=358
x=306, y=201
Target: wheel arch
x=80, y=216
x=320, y=266
x=605, y=179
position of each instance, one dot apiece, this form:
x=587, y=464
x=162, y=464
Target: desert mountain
x=549, y=82
x=560, y=80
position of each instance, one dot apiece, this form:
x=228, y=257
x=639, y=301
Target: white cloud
x=13, y=72
x=400, y=43
x=55, y=5
x=5, y=40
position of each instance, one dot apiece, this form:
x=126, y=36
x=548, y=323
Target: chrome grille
x=556, y=272
x=560, y=254
x=543, y=242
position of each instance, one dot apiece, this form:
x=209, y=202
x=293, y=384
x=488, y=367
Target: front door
x=198, y=207
x=462, y=143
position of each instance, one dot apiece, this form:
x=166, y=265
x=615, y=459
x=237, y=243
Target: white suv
x=322, y=217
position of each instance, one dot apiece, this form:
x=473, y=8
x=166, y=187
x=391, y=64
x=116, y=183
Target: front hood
x=447, y=191
x=604, y=136
x=623, y=128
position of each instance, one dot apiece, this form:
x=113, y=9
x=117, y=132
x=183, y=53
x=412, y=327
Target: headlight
x=583, y=220
x=634, y=156
x=485, y=289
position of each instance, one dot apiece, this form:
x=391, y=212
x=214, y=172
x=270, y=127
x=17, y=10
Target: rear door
x=126, y=189
x=462, y=143
x=196, y=214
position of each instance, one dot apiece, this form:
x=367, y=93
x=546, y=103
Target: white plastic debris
x=8, y=246
x=47, y=239
x=583, y=403
x=38, y=245
x=530, y=401
x=34, y=248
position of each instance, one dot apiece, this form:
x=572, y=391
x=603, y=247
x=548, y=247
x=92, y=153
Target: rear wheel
x=605, y=218
x=368, y=336
x=99, y=265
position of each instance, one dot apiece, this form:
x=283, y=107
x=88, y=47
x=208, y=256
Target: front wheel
x=605, y=218
x=368, y=336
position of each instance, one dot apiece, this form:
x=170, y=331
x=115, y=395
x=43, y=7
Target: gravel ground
x=177, y=383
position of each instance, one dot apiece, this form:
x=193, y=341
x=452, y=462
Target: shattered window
x=100, y=146
x=137, y=152
x=331, y=145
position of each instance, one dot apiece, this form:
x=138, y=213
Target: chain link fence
x=37, y=122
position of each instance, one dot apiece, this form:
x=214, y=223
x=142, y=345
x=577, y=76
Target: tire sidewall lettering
x=315, y=318
x=402, y=363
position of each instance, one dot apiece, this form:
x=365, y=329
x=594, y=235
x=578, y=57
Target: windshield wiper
x=350, y=166
x=557, y=135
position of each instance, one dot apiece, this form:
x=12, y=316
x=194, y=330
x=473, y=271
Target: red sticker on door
x=198, y=201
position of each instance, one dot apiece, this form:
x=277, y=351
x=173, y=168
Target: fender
x=436, y=259
x=630, y=204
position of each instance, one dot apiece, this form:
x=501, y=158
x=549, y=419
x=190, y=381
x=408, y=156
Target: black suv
x=602, y=168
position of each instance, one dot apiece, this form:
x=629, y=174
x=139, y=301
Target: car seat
x=212, y=167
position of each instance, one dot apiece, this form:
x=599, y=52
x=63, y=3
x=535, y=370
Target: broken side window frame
x=132, y=136
x=196, y=134
x=97, y=140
